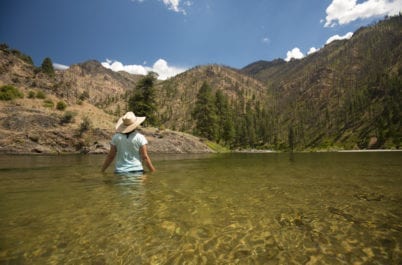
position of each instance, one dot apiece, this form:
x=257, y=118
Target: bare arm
x=145, y=157
x=110, y=157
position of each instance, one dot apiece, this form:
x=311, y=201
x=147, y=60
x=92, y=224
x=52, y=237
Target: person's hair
x=128, y=133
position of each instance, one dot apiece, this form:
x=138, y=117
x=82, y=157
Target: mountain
x=262, y=68
x=177, y=96
x=70, y=111
x=347, y=95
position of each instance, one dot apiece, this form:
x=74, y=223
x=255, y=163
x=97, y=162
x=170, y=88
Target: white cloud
x=160, y=67
x=312, y=50
x=337, y=37
x=345, y=11
x=165, y=71
x=295, y=53
x=173, y=5
x=58, y=66
x=266, y=40
x=188, y=3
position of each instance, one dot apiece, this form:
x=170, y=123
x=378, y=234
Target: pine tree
x=226, y=131
x=205, y=113
x=291, y=138
x=47, y=66
x=143, y=102
x=250, y=126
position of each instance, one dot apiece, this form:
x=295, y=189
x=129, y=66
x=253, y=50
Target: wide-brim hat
x=128, y=122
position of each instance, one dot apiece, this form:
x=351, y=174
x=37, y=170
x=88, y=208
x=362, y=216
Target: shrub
x=61, y=105
x=4, y=47
x=84, y=95
x=40, y=95
x=85, y=125
x=68, y=117
x=31, y=94
x=9, y=92
x=48, y=103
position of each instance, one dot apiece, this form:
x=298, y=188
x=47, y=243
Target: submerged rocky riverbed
x=273, y=208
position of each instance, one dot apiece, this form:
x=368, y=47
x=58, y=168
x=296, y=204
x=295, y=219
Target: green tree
x=206, y=120
x=143, y=100
x=225, y=128
x=250, y=125
x=47, y=66
x=291, y=138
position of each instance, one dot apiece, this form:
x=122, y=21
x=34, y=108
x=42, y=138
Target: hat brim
x=121, y=128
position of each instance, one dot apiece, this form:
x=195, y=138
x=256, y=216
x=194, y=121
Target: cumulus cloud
x=165, y=71
x=295, y=53
x=160, y=67
x=337, y=37
x=345, y=11
x=58, y=66
x=312, y=50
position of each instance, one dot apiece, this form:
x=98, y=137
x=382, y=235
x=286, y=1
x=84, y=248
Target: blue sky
x=170, y=36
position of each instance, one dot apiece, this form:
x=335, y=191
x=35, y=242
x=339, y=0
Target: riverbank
x=26, y=127
x=370, y=150
x=256, y=151
x=96, y=141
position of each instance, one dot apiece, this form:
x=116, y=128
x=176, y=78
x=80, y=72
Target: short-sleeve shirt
x=128, y=151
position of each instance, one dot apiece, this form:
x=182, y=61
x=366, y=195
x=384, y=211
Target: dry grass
x=98, y=117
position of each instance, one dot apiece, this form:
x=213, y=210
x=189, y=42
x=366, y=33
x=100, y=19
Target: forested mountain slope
x=177, y=96
x=347, y=94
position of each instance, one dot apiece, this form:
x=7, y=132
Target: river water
x=303, y=208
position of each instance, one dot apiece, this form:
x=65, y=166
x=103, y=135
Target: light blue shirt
x=128, y=156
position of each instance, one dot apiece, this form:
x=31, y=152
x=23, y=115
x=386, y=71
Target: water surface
x=308, y=208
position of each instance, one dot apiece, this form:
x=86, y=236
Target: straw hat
x=128, y=122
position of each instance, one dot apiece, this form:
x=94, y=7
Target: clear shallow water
x=318, y=208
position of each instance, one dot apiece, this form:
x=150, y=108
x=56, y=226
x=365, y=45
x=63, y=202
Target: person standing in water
x=129, y=147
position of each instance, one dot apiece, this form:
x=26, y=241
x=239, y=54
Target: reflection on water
x=324, y=208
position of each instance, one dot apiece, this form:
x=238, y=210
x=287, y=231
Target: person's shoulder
x=140, y=137
x=140, y=134
x=116, y=136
